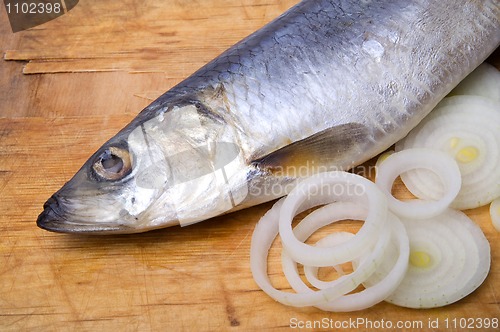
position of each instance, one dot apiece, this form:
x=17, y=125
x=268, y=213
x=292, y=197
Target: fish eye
x=113, y=164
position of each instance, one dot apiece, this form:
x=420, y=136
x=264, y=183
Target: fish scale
x=327, y=85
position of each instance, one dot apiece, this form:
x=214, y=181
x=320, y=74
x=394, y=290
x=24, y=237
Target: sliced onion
x=468, y=129
x=332, y=297
x=449, y=259
x=332, y=213
x=263, y=236
x=495, y=213
x=370, y=296
x=449, y=255
x=436, y=161
x=311, y=272
x=483, y=81
x=337, y=186
x=382, y=157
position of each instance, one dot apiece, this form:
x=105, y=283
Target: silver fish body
x=327, y=85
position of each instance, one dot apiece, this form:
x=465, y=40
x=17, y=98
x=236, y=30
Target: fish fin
x=335, y=148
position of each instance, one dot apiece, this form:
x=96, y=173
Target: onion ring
x=332, y=213
x=345, y=252
x=438, y=162
x=495, y=213
x=369, y=296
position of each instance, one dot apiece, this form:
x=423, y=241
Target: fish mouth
x=52, y=219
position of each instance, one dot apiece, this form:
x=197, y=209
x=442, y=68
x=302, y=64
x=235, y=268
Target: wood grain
x=143, y=36
x=103, y=67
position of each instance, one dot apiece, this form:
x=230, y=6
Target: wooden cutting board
x=92, y=70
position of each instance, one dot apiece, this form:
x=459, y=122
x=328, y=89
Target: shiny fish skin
x=329, y=84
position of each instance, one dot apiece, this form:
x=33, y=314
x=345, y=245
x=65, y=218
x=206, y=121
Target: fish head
x=175, y=166
x=102, y=197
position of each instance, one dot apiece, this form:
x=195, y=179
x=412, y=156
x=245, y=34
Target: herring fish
x=327, y=85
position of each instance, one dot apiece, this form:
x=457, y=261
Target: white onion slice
x=450, y=258
x=381, y=290
x=495, y=213
x=332, y=239
x=263, y=236
x=468, y=129
x=370, y=296
x=483, y=81
x=382, y=157
x=329, y=214
x=337, y=186
x=436, y=161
